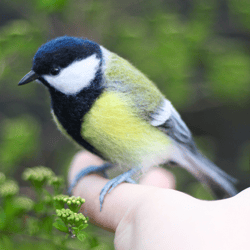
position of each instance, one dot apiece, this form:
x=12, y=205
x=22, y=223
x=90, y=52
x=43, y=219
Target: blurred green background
x=197, y=52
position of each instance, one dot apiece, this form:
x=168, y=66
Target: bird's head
x=67, y=64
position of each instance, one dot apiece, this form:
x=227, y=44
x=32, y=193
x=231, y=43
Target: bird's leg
x=114, y=182
x=89, y=170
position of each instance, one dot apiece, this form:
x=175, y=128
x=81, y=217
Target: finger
x=116, y=203
x=90, y=187
x=82, y=160
x=158, y=177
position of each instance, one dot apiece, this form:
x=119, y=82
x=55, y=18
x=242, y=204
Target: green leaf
x=59, y=224
x=81, y=236
x=76, y=230
x=58, y=205
x=82, y=226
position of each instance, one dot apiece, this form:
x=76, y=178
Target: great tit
x=114, y=111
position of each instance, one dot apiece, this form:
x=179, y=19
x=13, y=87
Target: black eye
x=55, y=71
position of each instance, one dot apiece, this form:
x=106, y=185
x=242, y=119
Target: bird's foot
x=89, y=170
x=116, y=181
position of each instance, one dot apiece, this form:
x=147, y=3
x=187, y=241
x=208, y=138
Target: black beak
x=31, y=76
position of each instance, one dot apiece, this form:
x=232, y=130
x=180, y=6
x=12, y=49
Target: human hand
x=152, y=216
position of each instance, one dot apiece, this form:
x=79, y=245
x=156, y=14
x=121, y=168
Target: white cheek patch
x=162, y=114
x=76, y=76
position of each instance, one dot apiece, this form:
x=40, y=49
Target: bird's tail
x=220, y=183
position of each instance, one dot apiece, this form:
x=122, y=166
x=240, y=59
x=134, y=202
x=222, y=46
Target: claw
x=116, y=181
x=87, y=171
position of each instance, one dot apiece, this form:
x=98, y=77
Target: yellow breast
x=115, y=130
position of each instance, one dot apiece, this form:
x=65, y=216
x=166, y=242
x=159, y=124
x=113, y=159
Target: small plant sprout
x=23, y=203
x=38, y=176
x=71, y=223
x=9, y=188
x=74, y=203
x=68, y=219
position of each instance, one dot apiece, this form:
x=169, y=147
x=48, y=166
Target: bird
x=111, y=109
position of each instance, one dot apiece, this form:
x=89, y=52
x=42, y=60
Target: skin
x=154, y=216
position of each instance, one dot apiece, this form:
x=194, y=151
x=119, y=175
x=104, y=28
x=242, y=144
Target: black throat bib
x=70, y=109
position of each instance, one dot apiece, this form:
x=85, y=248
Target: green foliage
x=18, y=41
x=244, y=161
x=69, y=220
x=23, y=218
x=9, y=188
x=38, y=176
x=23, y=203
x=2, y=178
x=74, y=203
x=241, y=11
x=229, y=72
x=19, y=140
x=51, y=6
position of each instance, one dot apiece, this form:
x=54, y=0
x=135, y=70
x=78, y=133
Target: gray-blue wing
x=188, y=156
